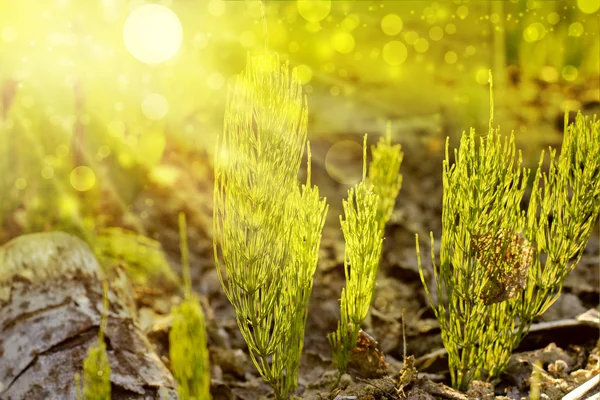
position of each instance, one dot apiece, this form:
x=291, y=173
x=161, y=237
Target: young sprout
x=385, y=176
x=187, y=338
x=96, y=369
x=362, y=233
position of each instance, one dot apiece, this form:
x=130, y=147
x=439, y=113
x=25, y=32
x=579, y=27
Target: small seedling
x=96, y=369
x=187, y=338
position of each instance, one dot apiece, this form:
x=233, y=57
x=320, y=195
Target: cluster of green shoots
x=267, y=230
x=367, y=210
x=500, y=267
x=269, y=265
x=187, y=338
x=96, y=369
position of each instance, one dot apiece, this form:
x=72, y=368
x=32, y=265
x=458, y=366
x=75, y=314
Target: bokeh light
x=421, y=45
x=155, y=106
x=394, y=53
x=534, y=32
x=217, y=8
x=569, y=73
x=9, y=34
x=576, y=29
x=340, y=162
x=391, y=24
x=304, y=73
x=553, y=18
x=342, y=42
x=450, y=57
x=588, y=6
x=351, y=22
x=82, y=178
x=152, y=33
x=436, y=33
x=20, y=183
x=314, y=10
x=462, y=12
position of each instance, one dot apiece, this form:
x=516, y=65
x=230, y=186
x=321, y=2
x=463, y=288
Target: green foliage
x=491, y=282
x=267, y=230
x=96, y=368
x=563, y=210
x=384, y=175
x=142, y=257
x=361, y=261
x=187, y=338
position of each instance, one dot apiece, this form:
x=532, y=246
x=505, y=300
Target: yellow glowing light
x=394, y=53
x=351, y=22
x=553, y=18
x=313, y=27
x=549, y=74
x=151, y=147
x=462, y=12
x=152, y=33
x=450, y=29
x=9, y=34
x=248, y=39
x=293, y=47
x=68, y=206
x=154, y=106
x=164, y=175
x=314, y=10
x=534, y=32
x=411, y=37
x=470, y=50
x=304, y=73
x=436, y=33
x=215, y=81
x=62, y=150
x=576, y=29
x=216, y=7
x=21, y=183
x=482, y=76
x=103, y=151
x=116, y=128
x=570, y=73
x=450, y=57
x=588, y=6
x=421, y=45
x=341, y=162
x=47, y=172
x=82, y=178
x=342, y=42
x=391, y=24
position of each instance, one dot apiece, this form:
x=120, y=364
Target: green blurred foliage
x=142, y=257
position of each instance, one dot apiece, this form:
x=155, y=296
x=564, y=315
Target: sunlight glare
x=152, y=33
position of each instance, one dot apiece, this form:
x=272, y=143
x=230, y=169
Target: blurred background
x=109, y=109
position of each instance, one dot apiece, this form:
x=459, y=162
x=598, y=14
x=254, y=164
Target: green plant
x=267, y=230
x=96, y=369
x=500, y=267
x=187, y=338
x=364, y=240
x=384, y=175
